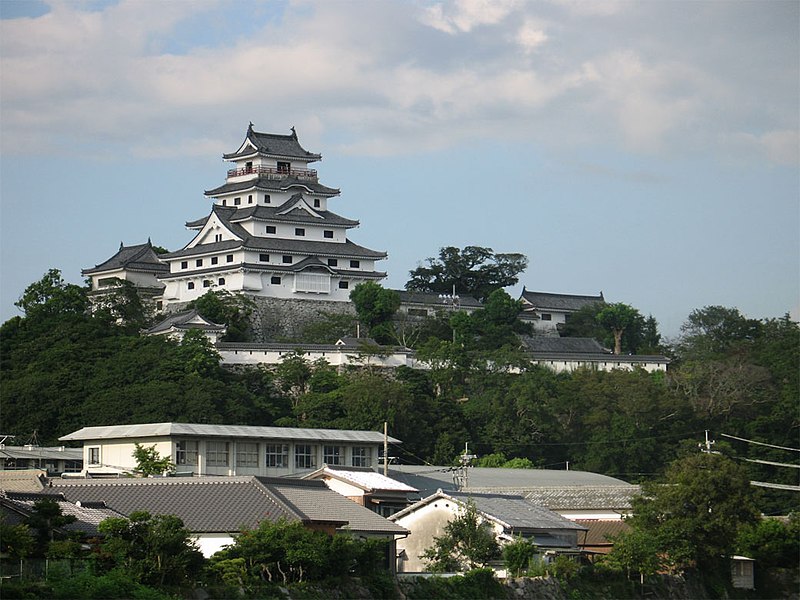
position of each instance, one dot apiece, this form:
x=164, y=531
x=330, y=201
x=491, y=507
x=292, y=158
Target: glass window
x=362, y=457
x=221, y=281
x=199, y=262
x=343, y=285
x=333, y=455
x=184, y=264
x=271, y=229
x=286, y=259
x=277, y=455
x=275, y=280
x=94, y=456
x=214, y=260
x=333, y=262
x=229, y=258
x=247, y=454
x=299, y=231
x=263, y=257
x=206, y=283
x=217, y=454
x=546, y=316
x=237, y=201
x=186, y=452
x=190, y=285
x=283, y=167
x=305, y=456
x=355, y=264
x=328, y=233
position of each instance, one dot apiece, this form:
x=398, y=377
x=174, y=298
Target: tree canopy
x=471, y=271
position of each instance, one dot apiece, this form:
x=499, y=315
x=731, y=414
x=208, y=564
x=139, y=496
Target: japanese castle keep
x=269, y=235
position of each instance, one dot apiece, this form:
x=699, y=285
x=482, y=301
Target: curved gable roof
x=272, y=144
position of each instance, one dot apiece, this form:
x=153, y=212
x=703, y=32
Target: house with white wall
x=547, y=312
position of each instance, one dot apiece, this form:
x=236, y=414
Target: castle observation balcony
x=273, y=173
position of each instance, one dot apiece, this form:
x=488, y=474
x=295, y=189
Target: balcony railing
x=273, y=173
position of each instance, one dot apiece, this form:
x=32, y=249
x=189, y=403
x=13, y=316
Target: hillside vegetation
x=62, y=369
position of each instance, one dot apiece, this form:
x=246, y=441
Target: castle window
x=267, y=199
x=547, y=317
x=190, y=285
x=184, y=264
x=333, y=262
x=271, y=229
x=343, y=284
x=237, y=201
x=286, y=259
x=275, y=280
x=218, y=237
x=299, y=231
x=263, y=257
x=214, y=260
x=221, y=281
x=224, y=203
x=248, y=166
x=199, y=262
x=316, y=202
x=328, y=233
x=206, y=283
x=229, y=258
x=355, y=264
x=250, y=199
x=284, y=167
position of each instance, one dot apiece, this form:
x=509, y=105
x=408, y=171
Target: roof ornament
x=294, y=133
x=121, y=246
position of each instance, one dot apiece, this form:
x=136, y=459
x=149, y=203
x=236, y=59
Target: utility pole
x=461, y=476
x=705, y=448
x=385, y=449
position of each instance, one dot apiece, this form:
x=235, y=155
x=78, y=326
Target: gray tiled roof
x=427, y=479
x=559, y=302
x=25, y=480
x=291, y=347
x=273, y=144
x=345, y=249
x=146, y=430
x=87, y=517
x=183, y=321
x=228, y=504
x=583, y=497
x=269, y=184
x=270, y=213
x=320, y=503
x=563, y=345
x=515, y=513
x=427, y=299
x=140, y=257
x=41, y=452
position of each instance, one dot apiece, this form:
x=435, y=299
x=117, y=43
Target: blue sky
x=648, y=150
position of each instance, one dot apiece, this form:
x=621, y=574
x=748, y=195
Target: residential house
x=510, y=517
x=204, y=449
x=366, y=487
x=216, y=509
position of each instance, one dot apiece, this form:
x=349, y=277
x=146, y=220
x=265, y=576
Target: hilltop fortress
x=271, y=236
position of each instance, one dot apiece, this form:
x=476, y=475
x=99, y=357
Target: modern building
x=203, y=449
x=51, y=460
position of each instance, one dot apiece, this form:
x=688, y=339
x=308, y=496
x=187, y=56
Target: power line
x=733, y=437
x=776, y=486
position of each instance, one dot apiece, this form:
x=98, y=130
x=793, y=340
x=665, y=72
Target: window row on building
x=267, y=199
x=269, y=455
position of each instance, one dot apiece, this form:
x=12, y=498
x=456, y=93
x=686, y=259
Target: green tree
x=150, y=462
x=695, y=515
x=155, y=550
x=468, y=543
x=52, y=296
x=518, y=555
x=618, y=318
x=375, y=306
x=232, y=310
x=771, y=542
x=16, y=541
x=46, y=521
x=122, y=304
x=637, y=551
x=474, y=271
x=714, y=330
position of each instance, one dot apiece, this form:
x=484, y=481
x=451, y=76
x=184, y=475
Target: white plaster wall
x=211, y=543
x=117, y=455
x=344, y=488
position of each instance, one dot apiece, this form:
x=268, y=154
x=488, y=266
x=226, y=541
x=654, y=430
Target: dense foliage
x=61, y=369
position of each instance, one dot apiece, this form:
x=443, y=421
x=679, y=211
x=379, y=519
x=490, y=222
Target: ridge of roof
x=273, y=144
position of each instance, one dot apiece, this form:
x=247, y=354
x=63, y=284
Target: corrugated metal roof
x=232, y=431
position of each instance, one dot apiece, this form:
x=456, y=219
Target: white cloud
x=531, y=35
x=462, y=16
